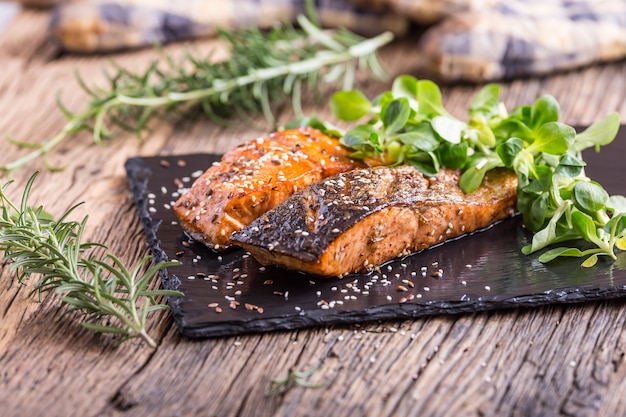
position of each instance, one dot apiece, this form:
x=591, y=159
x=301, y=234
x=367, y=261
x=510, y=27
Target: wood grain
x=554, y=360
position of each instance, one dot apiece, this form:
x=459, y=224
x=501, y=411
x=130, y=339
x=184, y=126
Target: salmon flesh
x=256, y=177
x=357, y=220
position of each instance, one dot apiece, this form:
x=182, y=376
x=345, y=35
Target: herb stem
x=41, y=150
x=221, y=86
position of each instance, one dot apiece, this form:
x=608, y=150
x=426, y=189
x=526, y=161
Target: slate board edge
x=399, y=312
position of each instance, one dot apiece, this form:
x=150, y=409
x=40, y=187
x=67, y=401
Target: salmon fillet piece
x=256, y=177
x=360, y=219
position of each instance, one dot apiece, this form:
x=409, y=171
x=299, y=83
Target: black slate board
x=230, y=294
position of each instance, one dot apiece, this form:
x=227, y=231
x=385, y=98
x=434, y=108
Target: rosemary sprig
x=263, y=68
x=113, y=298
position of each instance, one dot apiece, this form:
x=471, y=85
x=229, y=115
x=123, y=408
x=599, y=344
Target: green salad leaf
x=559, y=203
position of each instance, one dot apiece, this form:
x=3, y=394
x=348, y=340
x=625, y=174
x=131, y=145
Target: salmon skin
x=358, y=220
x=256, y=177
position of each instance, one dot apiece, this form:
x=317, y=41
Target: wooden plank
x=545, y=361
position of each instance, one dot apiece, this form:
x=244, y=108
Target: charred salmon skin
x=360, y=219
x=256, y=177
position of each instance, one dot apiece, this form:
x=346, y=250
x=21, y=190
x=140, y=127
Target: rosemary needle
x=113, y=298
x=264, y=67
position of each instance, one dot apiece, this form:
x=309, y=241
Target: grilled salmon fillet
x=255, y=177
x=360, y=219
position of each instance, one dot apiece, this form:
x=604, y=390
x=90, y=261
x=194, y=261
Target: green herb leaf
x=405, y=86
x=616, y=204
x=486, y=102
x=536, y=215
x=363, y=138
x=508, y=151
x=541, y=182
x=584, y=225
x=570, y=166
x=552, y=254
x=426, y=163
x=429, y=99
x=589, y=197
x=553, y=138
x=453, y=156
x=449, y=128
x=421, y=137
x=395, y=115
x=350, y=105
x=545, y=110
x=473, y=176
x=598, y=134
x=590, y=261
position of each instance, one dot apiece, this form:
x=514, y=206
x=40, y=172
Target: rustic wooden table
x=553, y=360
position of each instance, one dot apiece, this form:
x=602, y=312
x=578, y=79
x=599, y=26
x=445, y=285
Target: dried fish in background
x=427, y=12
x=105, y=25
x=475, y=40
x=525, y=37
